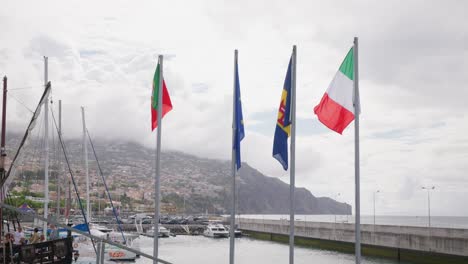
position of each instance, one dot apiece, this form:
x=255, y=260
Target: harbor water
x=200, y=249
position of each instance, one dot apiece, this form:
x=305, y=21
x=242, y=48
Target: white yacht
x=163, y=232
x=102, y=231
x=215, y=230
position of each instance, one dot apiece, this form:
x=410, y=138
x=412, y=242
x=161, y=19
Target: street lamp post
x=373, y=227
x=428, y=189
x=336, y=199
x=334, y=225
x=374, y=205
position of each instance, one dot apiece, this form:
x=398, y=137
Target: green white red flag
x=166, y=100
x=336, y=109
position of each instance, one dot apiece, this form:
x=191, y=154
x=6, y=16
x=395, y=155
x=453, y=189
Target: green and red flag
x=336, y=109
x=166, y=100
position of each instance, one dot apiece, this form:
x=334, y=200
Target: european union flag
x=283, y=123
x=239, y=132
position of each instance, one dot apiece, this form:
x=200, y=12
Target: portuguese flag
x=336, y=108
x=166, y=100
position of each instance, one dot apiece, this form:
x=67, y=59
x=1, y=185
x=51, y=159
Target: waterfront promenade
x=399, y=242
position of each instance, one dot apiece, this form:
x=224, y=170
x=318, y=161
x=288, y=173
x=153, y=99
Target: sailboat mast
x=99, y=202
x=2, y=150
x=68, y=203
x=85, y=153
x=46, y=147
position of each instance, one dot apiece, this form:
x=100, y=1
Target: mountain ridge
x=193, y=184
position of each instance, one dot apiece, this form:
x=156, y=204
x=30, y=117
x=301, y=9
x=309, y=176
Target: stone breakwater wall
x=383, y=240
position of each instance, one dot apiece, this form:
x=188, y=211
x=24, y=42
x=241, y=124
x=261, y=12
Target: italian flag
x=166, y=100
x=336, y=108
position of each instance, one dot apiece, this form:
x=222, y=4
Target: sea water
x=436, y=221
x=200, y=249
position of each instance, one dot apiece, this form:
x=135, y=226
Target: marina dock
x=177, y=229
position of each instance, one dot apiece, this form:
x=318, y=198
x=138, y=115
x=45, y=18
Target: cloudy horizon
x=413, y=76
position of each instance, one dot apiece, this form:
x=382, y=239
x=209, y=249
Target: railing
x=55, y=251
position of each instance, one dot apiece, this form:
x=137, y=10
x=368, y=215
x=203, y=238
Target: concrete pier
x=400, y=242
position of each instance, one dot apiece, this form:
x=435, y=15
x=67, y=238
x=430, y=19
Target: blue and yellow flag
x=239, y=132
x=283, y=123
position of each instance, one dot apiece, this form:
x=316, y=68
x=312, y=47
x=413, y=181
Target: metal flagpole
x=85, y=153
x=356, y=146
x=46, y=149
x=157, y=184
x=292, y=198
x=59, y=167
x=233, y=168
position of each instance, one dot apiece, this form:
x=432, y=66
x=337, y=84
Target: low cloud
x=412, y=65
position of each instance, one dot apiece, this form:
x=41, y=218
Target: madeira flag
x=283, y=123
x=166, y=100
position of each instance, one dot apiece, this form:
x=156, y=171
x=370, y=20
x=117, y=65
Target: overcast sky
x=413, y=71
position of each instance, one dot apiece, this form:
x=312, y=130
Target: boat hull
x=216, y=231
x=222, y=234
x=115, y=253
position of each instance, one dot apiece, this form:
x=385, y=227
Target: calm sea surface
x=200, y=249
x=436, y=221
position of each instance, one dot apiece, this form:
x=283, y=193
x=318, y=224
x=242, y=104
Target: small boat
x=162, y=232
x=237, y=233
x=111, y=252
x=116, y=253
x=100, y=228
x=102, y=231
x=216, y=230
